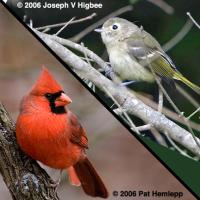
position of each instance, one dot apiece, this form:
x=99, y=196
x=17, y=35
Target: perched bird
x=48, y=132
x=133, y=53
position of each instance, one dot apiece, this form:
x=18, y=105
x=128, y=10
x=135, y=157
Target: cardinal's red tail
x=90, y=180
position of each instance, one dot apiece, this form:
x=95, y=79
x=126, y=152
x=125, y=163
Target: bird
x=136, y=55
x=49, y=132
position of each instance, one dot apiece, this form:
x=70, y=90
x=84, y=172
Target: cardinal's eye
x=114, y=27
x=48, y=95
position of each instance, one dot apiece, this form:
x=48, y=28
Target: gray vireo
x=133, y=53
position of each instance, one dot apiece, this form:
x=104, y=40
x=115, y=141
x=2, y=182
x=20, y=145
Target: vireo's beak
x=98, y=30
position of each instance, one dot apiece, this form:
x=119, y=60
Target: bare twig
x=154, y=132
x=192, y=114
x=130, y=122
x=31, y=23
x=163, y=5
x=81, y=49
x=187, y=96
x=159, y=138
x=67, y=23
x=87, y=59
x=160, y=100
x=46, y=30
x=86, y=56
x=166, y=95
x=118, y=111
x=182, y=152
x=167, y=112
x=72, y=22
x=88, y=82
x=178, y=37
x=83, y=33
x=145, y=127
x=193, y=20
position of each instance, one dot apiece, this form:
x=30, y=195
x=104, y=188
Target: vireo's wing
x=148, y=52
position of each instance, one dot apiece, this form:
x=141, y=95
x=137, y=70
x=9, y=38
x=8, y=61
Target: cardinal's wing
x=78, y=135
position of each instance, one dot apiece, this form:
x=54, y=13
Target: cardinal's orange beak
x=63, y=100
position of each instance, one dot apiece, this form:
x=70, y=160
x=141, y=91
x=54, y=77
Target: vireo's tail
x=194, y=87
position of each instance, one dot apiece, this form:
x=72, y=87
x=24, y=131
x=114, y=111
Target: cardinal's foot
x=55, y=184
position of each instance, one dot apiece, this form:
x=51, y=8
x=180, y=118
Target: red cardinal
x=50, y=133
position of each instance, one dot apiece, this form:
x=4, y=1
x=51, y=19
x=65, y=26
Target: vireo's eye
x=48, y=95
x=114, y=27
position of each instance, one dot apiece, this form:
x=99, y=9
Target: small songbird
x=48, y=132
x=133, y=53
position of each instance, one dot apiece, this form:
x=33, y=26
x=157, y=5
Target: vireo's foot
x=109, y=72
x=127, y=83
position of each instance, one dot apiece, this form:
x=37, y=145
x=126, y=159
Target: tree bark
x=23, y=176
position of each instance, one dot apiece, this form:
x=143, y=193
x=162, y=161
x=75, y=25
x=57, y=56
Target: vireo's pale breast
x=126, y=67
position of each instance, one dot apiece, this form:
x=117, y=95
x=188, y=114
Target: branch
x=61, y=29
x=186, y=95
x=24, y=178
x=145, y=127
x=160, y=100
x=125, y=99
x=193, y=20
x=170, y=114
x=72, y=22
x=177, y=147
x=194, y=113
